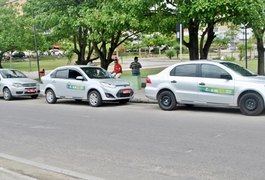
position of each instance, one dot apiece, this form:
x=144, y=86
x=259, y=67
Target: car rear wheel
x=251, y=104
x=94, y=99
x=50, y=96
x=167, y=100
x=7, y=94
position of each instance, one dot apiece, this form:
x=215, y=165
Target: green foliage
x=170, y=53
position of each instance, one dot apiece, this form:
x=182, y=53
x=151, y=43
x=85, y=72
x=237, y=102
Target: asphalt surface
x=10, y=168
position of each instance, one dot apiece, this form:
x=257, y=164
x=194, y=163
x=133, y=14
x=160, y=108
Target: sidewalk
x=139, y=97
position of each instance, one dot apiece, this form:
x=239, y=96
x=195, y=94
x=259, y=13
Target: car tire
x=34, y=96
x=167, y=101
x=251, y=104
x=7, y=94
x=50, y=96
x=124, y=101
x=94, y=99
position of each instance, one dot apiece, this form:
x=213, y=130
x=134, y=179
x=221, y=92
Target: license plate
x=31, y=90
x=126, y=91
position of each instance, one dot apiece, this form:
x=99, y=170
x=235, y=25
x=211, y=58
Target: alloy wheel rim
x=6, y=94
x=50, y=96
x=93, y=99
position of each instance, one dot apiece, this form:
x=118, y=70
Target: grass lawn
x=48, y=64
x=31, y=64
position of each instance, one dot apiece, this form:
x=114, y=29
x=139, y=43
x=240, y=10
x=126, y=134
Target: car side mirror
x=226, y=76
x=80, y=78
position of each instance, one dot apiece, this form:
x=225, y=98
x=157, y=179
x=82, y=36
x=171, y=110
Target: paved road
x=134, y=141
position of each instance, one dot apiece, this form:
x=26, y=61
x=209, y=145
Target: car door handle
x=202, y=84
x=173, y=81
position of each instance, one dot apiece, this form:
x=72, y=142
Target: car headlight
x=108, y=85
x=17, y=85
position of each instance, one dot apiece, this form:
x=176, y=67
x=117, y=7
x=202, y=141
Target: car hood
x=116, y=82
x=21, y=80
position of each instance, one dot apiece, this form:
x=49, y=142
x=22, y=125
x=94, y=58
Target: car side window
x=189, y=70
x=73, y=74
x=212, y=71
x=62, y=74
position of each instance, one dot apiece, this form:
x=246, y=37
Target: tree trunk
x=1, y=57
x=210, y=37
x=80, y=44
x=261, y=51
x=193, y=28
x=102, y=54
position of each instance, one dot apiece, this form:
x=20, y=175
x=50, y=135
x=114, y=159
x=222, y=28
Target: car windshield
x=12, y=74
x=238, y=69
x=97, y=73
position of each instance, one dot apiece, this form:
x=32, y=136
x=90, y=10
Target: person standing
x=135, y=66
x=117, y=71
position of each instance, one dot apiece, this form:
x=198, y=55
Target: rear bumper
x=150, y=93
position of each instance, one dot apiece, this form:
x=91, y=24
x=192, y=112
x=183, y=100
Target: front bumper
x=24, y=91
x=125, y=93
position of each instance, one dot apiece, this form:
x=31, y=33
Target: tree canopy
x=97, y=28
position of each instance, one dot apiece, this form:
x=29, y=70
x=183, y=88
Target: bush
x=170, y=53
x=229, y=58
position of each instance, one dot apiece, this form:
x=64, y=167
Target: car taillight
x=148, y=80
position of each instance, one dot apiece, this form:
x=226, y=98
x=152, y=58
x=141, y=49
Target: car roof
x=76, y=66
x=8, y=69
x=202, y=61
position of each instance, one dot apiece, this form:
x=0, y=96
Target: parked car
x=211, y=83
x=19, y=54
x=85, y=83
x=56, y=52
x=14, y=83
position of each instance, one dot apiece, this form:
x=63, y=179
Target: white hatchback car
x=85, y=83
x=14, y=83
x=211, y=83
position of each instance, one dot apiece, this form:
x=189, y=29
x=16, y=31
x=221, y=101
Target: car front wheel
x=251, y=104
x=167, y=100
x=50, y=96
x=7, y=94
x=94, y=99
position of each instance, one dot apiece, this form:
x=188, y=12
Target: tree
x=116, y=22
x=197, y=16
x=93, y=26
x=252, y=14
x=12, y=31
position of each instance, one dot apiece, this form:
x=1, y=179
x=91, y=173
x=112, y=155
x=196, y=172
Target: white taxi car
x=211, y=83
x=85, y=83
x=14, y=83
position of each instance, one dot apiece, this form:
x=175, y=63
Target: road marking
x=50, y=168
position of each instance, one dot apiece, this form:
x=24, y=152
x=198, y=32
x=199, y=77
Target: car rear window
x=189, y=70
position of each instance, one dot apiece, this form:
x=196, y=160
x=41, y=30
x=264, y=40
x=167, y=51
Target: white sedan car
x=14, y=83
x=85, y=83
x=211, y=83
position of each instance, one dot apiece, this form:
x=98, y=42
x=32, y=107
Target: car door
x=184, y=80
x=216, y=85
x=1, y=86
x=59, y=82
x=75, y=88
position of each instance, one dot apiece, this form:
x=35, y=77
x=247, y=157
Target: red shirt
x=117, y=68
